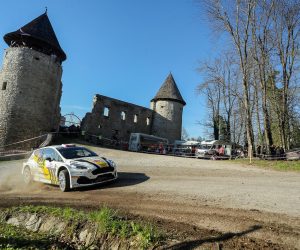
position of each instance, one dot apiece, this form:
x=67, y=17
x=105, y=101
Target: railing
x=189, y=151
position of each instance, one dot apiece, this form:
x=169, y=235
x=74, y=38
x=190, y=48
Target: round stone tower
x=30, y=82
x=168, y=107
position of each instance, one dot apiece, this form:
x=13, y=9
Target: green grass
x=106, y=219
x=12, y=237
x=277, y=165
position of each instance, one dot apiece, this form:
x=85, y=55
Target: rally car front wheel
x=27, y=175
x=64, y=180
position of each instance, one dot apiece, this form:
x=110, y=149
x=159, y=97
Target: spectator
x=221, y=150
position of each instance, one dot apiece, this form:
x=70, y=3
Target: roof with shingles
x=37, y=34
x=169, y=91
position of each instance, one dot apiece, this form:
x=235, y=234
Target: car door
x=52, y=160
x=36, y=164
x=55, y=163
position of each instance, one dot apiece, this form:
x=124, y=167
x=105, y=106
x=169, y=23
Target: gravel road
x=215, y=195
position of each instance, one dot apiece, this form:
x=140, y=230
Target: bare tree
x=220, y=87
x=262, y=46
x=211, y=89
x=237, y=24
x=286, y=21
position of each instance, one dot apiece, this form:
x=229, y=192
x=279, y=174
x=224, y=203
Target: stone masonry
x=30, y=83
x=30, y=100
x=31, y=88
x=167, y=121
x=115, y=119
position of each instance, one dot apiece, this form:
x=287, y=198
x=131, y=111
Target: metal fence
x=154, y=148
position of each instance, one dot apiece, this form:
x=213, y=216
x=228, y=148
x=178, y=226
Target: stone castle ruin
x=30, y=82
x=113, y=118
x=31, y=88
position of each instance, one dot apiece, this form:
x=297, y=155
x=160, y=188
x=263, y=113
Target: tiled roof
x=37, y=34
x=169, y=91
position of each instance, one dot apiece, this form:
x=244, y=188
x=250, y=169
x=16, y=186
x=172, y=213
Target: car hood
x=89, y=162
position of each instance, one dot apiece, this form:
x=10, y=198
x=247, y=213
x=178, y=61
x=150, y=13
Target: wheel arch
x=25, y=166
x=62, y=168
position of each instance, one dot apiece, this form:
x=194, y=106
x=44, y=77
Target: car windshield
x=76, y=152
x=205, y=146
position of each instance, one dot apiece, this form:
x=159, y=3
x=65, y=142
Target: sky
x=123, y=49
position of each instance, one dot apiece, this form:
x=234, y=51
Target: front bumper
x=82, y=181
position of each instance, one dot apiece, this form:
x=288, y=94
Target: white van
x=186, y=148
x=211, y=149
x=146, y=143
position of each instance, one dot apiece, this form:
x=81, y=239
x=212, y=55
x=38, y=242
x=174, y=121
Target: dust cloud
x=11, y=176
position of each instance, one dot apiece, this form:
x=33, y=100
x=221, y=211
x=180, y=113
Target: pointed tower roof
x=38, y=35
x=169, y=91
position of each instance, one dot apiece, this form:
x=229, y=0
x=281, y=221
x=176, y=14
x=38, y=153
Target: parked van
x=147, y=143
x=212, y=149
x=186, y=148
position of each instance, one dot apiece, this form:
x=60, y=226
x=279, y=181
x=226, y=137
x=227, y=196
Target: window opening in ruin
x=162, y=107
x=106, y=111
x=135, y=119
x=123, y=116
x=36, y=58
x=148, y=121
x=4, y=85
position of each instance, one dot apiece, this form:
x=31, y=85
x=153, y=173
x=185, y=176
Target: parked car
x=185, y=148
x=211, y=150
x=293, y=154
x=68, y=166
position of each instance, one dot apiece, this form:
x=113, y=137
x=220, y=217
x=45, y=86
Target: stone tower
x=168, y=106
x=30, y=82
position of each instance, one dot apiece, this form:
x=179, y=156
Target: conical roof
x=37, y=34
x=169, y=91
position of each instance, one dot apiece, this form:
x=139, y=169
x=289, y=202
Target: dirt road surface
x=249, y=207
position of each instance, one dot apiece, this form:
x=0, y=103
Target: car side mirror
x=48, y=159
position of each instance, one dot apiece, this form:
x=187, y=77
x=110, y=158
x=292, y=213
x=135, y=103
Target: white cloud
x=76, y=107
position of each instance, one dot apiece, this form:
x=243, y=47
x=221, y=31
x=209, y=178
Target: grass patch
x=277, y=165
x=12, y=237
x=106, y=219
x=67, y=213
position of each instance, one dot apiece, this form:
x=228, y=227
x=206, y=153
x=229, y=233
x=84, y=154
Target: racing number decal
x=53, y=177
x=49, y=173
x=42, y=165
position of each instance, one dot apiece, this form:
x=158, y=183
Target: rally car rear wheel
x=64, y=180
x=27, y=175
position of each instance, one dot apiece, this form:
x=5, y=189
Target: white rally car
x=68, y=166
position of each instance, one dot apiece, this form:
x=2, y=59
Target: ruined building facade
x=112, y=118
x=31, y=88
x=30, y=82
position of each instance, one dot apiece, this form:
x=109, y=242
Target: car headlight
x=78, y=166
x=112, y=163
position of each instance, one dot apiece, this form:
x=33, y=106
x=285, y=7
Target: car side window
x=56, y=156
x=37, y=154
x=49, y=153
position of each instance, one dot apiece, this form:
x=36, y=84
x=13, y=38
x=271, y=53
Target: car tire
x=27, y=175
x=64, y=180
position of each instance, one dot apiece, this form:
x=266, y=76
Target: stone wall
x=112, y=118
x=30, y=92
x=167, y=120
